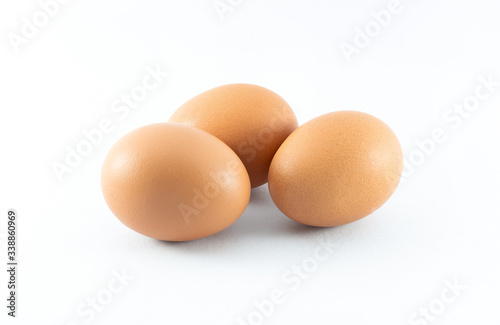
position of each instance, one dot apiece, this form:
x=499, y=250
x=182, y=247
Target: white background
x=441, y=224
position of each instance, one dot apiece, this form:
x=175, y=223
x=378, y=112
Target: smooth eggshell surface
x=174, y=182
x=250, y=119
x=336, y=169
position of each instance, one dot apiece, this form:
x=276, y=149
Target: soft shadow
x=263, y=226
x=259, y=195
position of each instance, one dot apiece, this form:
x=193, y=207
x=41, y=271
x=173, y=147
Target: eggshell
x=336, y=169
x=174, y=182
x=250, y=119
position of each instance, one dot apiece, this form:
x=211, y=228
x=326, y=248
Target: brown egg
x=250, y=119
x=336, y=169
x=174, y=182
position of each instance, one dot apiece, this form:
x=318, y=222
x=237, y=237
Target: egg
x=174, y=182
x=251, y=120
x=336, y=169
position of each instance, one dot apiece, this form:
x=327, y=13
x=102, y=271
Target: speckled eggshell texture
x=251, y=120
x=336, y=169
x=174, y=182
